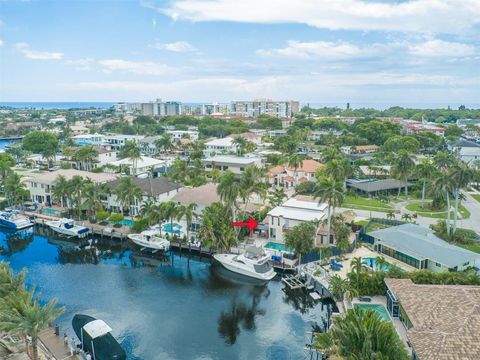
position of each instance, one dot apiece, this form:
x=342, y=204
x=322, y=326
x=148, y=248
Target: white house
x=89, y=139
x=467, y=151
x=41, y=184
x=176, y=135
x=220, y=146
x=235, y=164
x=144, y=165
x=117, y=141
x=293, y=212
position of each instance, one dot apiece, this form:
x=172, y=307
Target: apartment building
x=257, y=107
x=235, y=164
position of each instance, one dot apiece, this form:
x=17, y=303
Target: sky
x=409, y=52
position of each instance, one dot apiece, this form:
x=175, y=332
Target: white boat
x=150, y=239
x=12, y=219
x=253, y=263
x=67, y=227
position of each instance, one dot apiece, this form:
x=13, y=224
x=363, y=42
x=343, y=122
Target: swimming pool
x=380, y=309
x=173, y=228
x=50, y=211
x=277, y=246
x=127, y=222
x=372, y=263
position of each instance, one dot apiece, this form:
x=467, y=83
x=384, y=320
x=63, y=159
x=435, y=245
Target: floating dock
x=294, y=282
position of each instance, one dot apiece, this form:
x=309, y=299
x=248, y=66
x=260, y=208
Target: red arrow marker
x=251, y=223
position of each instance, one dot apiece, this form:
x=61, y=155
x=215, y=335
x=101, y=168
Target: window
x=241, y=169
x=438, y=265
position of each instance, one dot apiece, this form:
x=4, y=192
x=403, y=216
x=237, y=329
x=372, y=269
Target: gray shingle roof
x=150, y=187
x=421, y=243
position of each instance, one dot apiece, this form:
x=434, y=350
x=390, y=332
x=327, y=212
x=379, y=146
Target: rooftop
x=445, y=318
x=204, y=195
x=372, y=185
x=232, y=159
x=150, y=187
x=50, y=177
x=145, y=161
x=299, y=210
x=421, y=243
x=220, y=142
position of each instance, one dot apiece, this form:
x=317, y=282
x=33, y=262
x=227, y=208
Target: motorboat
x=150, y=239
x=254, y=262
x=13, y=220
x=67, y=227
x=96, y=338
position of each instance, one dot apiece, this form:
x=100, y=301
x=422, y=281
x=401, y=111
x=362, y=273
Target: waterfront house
x=202, y=196
x=288, y=177
x=144, y=166
x=117, y=141
x=41, y=184
x=235, y=164
x=177, y=135
x=420, y=248
x=442, y=321
x=158, y=189
x=293, y=212
x=253, y=137
x=89, y=139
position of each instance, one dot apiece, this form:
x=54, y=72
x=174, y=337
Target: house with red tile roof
x=288, y=177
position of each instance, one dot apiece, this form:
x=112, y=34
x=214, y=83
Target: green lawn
x=361, y=203
x=476, y=197
x=474, y=248
x=437, y=214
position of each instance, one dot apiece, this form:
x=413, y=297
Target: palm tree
x=92, y=196
x=357, y=266
x=147, y=210
x=187, y=212
x=407, y=217
x=85, y=155
x=442, y=185
x=330, y=191
x=403, y=167
x=331, y=153
x=165, y=143
x=362, y=335
x=461, y=176
x=228, y=189
x=169, y=211
x=240, y=142
x=252, y=181
x=76, y=188
x=61, y=190
x=338, y=287
x=14, y=188
x=294, y=161
x=128, y=193
x=9, y=282
x=424, y=172
x=277, y=196
x=22, y=312
x=390, y=215
x=381, y=263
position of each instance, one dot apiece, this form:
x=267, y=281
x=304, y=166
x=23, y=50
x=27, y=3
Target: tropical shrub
x=102, y=215
x=140, y=225
x=116, y=218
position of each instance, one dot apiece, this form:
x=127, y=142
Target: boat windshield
x=262, y=268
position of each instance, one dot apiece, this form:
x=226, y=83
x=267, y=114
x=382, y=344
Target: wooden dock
x=55, y=346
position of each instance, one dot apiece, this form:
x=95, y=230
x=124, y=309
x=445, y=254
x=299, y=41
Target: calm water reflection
x=167, y=307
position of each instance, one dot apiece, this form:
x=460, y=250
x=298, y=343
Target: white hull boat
x=150, y=239
x=67, y=227
x=253, y=263
x=11, y=219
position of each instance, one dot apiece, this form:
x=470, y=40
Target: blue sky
x=319, y=51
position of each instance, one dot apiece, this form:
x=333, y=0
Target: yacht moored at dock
x=150, y=239
x=67, y=227
x=253, y=263
x=96, y=339
x=13, y=220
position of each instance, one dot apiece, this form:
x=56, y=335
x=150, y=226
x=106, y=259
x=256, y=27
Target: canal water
x=175, y=307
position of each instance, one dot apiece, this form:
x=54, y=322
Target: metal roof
x=369, y=185
x=421, y=243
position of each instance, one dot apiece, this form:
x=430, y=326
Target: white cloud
x=441, y=48
x=82, y=64
x=139, y=68
x=24, y=48
x=1, y=42
x=178, y=46
x=321, y=50
x=424, y=16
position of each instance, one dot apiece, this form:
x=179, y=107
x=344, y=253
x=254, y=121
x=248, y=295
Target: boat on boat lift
x=150, y=239
x=254, y=263
x=13, y=220
x=67, y=227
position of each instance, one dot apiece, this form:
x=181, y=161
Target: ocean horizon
x=56, y=105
